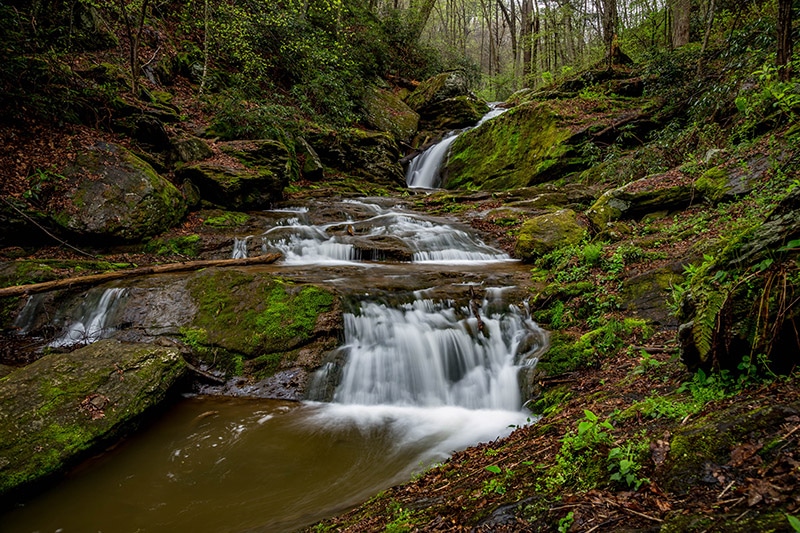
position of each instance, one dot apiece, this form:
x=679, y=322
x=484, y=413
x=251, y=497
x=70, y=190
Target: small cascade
x=435, y=354
x=240, y=247
x=92, y=325
x=424, y=171
x=348, y=240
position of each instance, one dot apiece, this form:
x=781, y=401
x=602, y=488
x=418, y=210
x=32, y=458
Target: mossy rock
x=726, y=184
x=63, y=406
x=269, y=154
x=646, y=294
x=188, y=148
x=440, y=87
x=311, y=167
x=707, y=442
x=545, y=233
x=522, y=147
x=385, y=111
x=249, y=316
x=372, y=155
x=647, y=195
x=110, y=194
x=453, y=113
x=235, y=188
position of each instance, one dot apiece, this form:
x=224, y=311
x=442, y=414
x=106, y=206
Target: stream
x=435, y=335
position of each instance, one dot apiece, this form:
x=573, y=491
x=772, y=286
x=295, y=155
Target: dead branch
x=83, y=281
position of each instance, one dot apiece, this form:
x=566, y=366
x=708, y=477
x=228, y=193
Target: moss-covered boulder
x=257, y=324
x=311, y=167
x=232, y=187
x=187, y=149
x=523, y=146
x=385, y=111
x=264, y=154
x=660, y=192
x=727, y=183
x=109, y=193
x=444, y=102
x=372, y=155
x=646, y=294
x=545, y=233
x=63, y=406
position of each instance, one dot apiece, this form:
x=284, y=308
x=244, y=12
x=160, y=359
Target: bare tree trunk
x=681, y=11
x=526, y=36
x=784, y=55
x=709, y=24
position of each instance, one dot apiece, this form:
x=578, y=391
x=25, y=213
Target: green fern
x=706, y=320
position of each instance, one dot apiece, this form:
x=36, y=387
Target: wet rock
x=112, y=194
x=438, y=88
x=235, y=188
x=545, y=233
x=660, y=192
x=453, y=113
x=387, y=112
x=63, y=406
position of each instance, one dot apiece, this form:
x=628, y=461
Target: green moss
x=551, y=401
x=252, y=316
x=188, y=245
x=712, y=184
x=226, y=219
x=516, y=149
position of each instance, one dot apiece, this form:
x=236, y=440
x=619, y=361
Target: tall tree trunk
x=784, y=39
x=609, y=28
x=681, y=11
x=526, y=37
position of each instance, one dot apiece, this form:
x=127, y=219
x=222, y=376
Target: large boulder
x=266, y=153
x=445, y=102
x=522, y=147
x=234, y=187
x=63, y=406
x=660, y=192
x=112, y=194
x=545, y=233
x=372, y=155
x=385, y=111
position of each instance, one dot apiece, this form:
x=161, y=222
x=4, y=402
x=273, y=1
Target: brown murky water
x=233, y=465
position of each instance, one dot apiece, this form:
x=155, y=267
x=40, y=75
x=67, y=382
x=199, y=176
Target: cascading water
x=429, y=354
x=91, y=325
x=240, y=247
x=351, y=239
x=424, y=171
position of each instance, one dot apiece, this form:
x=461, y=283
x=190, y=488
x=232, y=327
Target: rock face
x=374, y=156
x=234, y=188
x=545, y=233
x=643, y=196
x=445, y=102
x=112, y=194
x=62, y=406
x=523, y=146
x=387, y=112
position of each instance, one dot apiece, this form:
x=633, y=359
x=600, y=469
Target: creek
x=435, y=337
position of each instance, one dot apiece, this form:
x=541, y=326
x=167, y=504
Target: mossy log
x=82, y=281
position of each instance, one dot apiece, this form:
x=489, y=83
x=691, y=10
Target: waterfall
x=434, y=354
x=424, y=171
x=92, y=325
x=240, y=247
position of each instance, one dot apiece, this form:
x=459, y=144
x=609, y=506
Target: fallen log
x=93, y=279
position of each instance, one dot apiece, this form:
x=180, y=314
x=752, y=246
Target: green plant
x=565, y=523
x=592, y=253
x=624, y=466
x=497, y=485
x=794, y=522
